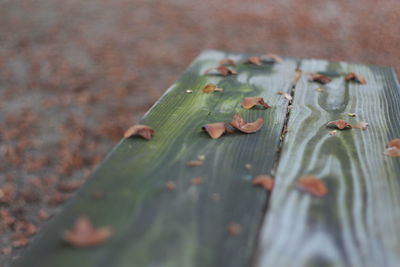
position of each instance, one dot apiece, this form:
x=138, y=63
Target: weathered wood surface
x=358, y=222
x=185, y=227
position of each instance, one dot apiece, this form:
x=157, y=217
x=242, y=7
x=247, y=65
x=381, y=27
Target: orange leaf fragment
x=83, y=234
x=222, y=70
x=286, y=95
x=249, y=102
x=215, y=130
x=170, y=185
x=351, y=76
x=339, y=124
x=264, y=181
x=194, y=163
x=274, y=58
x=196, y=180
x=393, y=149
x=361, y=125
x=234, y=228
x=323, y=79
x=227, y=61
x=246, y=127
x=312, y=185
x=143, y=130
x=210, y=88
x=254, y=60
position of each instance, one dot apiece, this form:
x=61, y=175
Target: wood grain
x=187, y=226
x=357, y=222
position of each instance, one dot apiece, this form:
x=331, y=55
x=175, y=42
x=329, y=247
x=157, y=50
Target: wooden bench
x=223, y=220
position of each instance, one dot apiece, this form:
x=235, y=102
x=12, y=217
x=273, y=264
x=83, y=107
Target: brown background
x=75, y=74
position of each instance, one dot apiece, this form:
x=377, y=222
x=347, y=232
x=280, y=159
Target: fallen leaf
x=194, y=163
x=227, y=61
x=286, y=95
x=215, y=130
x=143, y=130
x=351, y=76
x=20, y=241
x=264, y=181
x=246, y=127
x=323, y=79
x=248, y=166
x=196, y=180
x=312, y=185
x=83, y=234
x=339, y=124
x=273, y=58
x=234, y=228
x=249, y=102
x=361, y=125
x=393, y=149
x=170, y=185
x=210, y=88
x=222, y=70
x=333, y=133
x=254, y=60
x=352, y=114
x=297, y=76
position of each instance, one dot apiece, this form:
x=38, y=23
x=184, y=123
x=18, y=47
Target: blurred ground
x=75, y=74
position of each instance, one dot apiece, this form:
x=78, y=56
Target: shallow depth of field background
x=75, y=74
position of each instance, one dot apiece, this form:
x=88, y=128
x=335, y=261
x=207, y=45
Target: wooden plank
x=185, y=227
x=357, y=222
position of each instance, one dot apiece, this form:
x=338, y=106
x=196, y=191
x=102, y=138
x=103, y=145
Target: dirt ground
x=75, y=74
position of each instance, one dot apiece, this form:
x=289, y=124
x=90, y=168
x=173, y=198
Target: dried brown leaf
x=254, y=60
x=323, y=79
x=234, y=228
x=170, y=185
x=361, y=125
x=215, y=130
x=143, y=130
x=222, y=70
x=227, y=61
x=273, y=57
x=312, y=185
x=194, y=163
x=211, y=88
x=249, y=102
x=264, y=181
x=394, y=143
x=246, y=127
x=196, y=180
x=351, y=76
x=393, y=149
x=83, y=234
x=339, y=124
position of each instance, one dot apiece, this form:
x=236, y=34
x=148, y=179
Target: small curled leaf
x=246, y=127
x=272, y=58
x=322, y=79
x=194, y=163
x=312, y=185
x=215, y=130
x=254, y=61
x=264, y=181
x=143, y=130
x=286, y=95
x=249, y=102
x=222, y=70
x=393, y=149
x=394, y=143
x=339, y=124
x=351, y=76
x=234, y=229
x=361, y=125
x=210, y=88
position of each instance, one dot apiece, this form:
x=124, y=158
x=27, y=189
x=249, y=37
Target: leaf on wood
x=83, y=234
x=254, y=61
x=297, y=76
x=393, y=149
x=333, y=133
x=352, y=114
x=246, y=127
x=249, y=102
x=234, y=229
x=194, y=163
x=188, y=91
x=351, y=76
x=286, y=95
x=215, y=130
x=248, y=166
x=227, y=61
x=170, y=185
x=312, y=185
x=222, y=70
x=196, y=180
x=211, y=88
x=322, y=79
x=264, y=181
x=273, y=58
x=339, y=124
x=361, y=125
x=143, y=130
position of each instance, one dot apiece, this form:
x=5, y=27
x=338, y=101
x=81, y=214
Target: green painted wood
x=185, y=227
x=357, y=223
